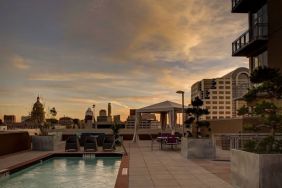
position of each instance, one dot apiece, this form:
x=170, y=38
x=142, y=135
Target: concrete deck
x=168, y=168
x=157, y=168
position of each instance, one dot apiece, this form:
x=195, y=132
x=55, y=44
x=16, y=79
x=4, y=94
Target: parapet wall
x=11, y=142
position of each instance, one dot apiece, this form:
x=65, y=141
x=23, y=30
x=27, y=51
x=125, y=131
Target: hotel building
x=261, y=43
x=219, y=94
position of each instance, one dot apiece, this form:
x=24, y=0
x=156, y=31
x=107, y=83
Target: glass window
x=259, y=61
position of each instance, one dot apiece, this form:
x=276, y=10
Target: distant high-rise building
x=261, y=43
x=9, y=119
x=109, y=110
x=219, y=94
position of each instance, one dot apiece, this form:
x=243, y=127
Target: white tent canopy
x=164, y=108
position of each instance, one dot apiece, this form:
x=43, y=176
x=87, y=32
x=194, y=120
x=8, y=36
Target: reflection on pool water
x=69, y=172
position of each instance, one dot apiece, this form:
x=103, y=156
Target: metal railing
x=237, y=141
x=258, y=31
x=235, y=3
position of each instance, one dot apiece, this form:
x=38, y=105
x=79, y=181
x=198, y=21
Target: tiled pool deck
x=155, y=168
x=168, y=168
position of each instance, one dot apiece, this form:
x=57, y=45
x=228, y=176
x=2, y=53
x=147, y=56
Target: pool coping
x=122, y=180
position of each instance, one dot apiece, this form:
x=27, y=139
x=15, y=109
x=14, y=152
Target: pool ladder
x=89, y=156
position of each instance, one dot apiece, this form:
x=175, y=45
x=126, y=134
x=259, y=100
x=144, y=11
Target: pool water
x=68, y=172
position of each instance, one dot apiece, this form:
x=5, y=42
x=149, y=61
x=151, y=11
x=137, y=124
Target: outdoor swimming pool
x=67, y=172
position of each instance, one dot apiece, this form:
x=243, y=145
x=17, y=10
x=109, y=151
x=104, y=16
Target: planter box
x=43, y=143
x=251, y=170
x=193, y=148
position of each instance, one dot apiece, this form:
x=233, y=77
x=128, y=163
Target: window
x=208, y=107
x=214, y=97
x=214, y=102
x=208, y=102
x=214, y=107
x=221, y=92
x=227, y=87
x=221, y=112
x=227, y=102
x=208, y=117
x=259, y=61
x=221, y=117
x=221, y=97
x=214, y=112
x=227, y=92
x=227, y=82
x=214, y=92
x=220, y=82
x=221, y=102
x=214, y=117
x=221, y=87
x=227, y=97
x=221, y=107
x=227, y=107
x=227, y=112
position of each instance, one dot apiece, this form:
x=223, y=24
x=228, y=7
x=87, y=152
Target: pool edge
x=122, y=180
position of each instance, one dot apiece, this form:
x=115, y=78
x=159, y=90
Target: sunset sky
x=131, y=53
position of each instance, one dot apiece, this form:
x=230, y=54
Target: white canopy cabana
x=163, y=108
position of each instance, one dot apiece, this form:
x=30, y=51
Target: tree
x=243, y=111
x=195, y=113
x=266, y=91
x=53, y=113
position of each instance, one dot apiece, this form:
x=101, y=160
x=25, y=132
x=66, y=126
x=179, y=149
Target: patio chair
x=90, y=144
x=72, y=144
x=171, y=141
x=109, y=142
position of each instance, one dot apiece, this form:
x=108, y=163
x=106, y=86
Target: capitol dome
x=37, y=113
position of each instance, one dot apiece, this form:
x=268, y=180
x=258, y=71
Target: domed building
x=37, y=113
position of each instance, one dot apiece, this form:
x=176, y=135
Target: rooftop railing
x=235, y=3
x=257, y=32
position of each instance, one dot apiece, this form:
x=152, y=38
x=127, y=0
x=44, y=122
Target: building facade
x=261, y=43
x=9, y=119
x=148, y=121
x=219, y=94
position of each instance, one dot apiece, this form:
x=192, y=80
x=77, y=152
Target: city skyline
x=129, y=53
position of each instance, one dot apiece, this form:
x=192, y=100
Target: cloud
x=68, y=76
x=130, y=53
x=19, y=62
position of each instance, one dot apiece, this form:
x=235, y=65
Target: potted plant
x=258, y=164
x=199, y=145
x=43, y=141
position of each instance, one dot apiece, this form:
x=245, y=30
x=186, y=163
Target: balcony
x=245, y=6
x=251, y=42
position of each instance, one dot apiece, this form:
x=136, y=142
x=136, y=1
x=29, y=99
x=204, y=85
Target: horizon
x=130, y=53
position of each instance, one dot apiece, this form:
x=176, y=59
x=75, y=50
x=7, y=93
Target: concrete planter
x=193, y=148
x=43, y=143
x=251, y=170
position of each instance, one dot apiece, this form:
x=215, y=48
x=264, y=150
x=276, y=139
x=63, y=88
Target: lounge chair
x=109, y=142
x=172, y=141
x=72, y=144
x=90, y=143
